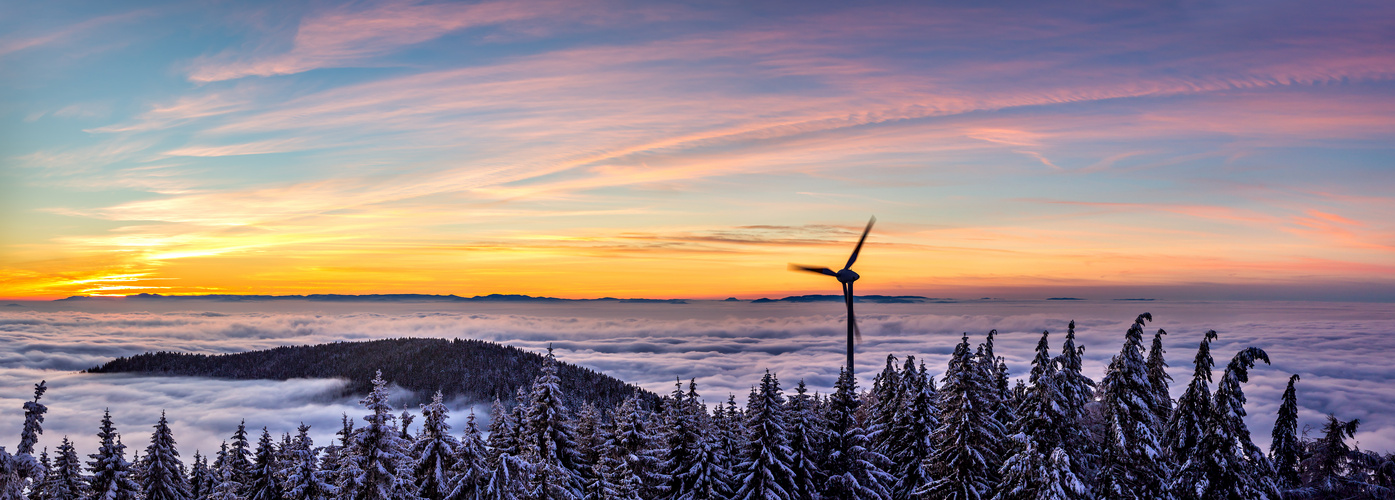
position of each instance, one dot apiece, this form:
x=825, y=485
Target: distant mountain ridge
x=497, y=297
x=474, y=369
x=379, y=297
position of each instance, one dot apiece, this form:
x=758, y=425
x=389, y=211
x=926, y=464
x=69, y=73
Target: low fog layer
x=1341, y=350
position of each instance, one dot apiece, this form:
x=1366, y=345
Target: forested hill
x=470, y=368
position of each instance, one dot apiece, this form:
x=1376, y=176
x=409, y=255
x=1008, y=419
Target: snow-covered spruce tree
x=764, y=472
x=1327, y=471
x=911, y=440
x=502, y=439
x=995, y=368
x=806, y=441
x=684, y=419
x=435, y=451
x=240, y=456
x=680, y=438
x=1235, y=467
x=591, y=437
x=1077, y=390
x=377, y=454
x=887, y=398
x=1133, y=464
x=262, y=484
x=111, y=473
x=22, y=470
x=1044, y=465
x=1188, y=425
x=40, y=484
x=707, y=479
x=225, y=486
x=162, y=479
x=469, y=469
x=550, y=439
x=731, y=429
x=508, y=480
x=200, y=478
x=1159, y=380
x=404, y=424
x=965, y=462
x=1284, y=448
x=64, y=480
x=332, y=459
x=854, y=470
x=304, y=480
x=634, y=455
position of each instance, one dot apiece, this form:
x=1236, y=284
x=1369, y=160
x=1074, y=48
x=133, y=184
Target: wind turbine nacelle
x=847, y=276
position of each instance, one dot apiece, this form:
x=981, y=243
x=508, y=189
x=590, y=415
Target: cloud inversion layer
x=1339, y=349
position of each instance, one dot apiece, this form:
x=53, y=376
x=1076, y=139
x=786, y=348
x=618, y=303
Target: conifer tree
x=21, y=470
x=806, y=441
x=684, y=436
x=764, y=473
x=262, y=479
x=1159, y=380
x=435, y=451
x=501, y=433
x=377, y=454
x=1044, y=465
x=995, y=374
x=1133, y=464
x=887, y=399
x=1284, y=447
x=304, y=480
x=65, y=480
x=1188, y=425
x=707, y=479
x=469, y=469
x=634, y=455
x=332, y=459
x=1236, y=468
x=111, y=473
x=200, y=478
x=911, y=442
x=240, y=456
x=730, y=427
x=162, y=479
x=226, y=487
x=1077, y=390
x=40, y=483
x=508, y=480
x=1326, y=471
x=854, y=471
x=965, y=461
x=591, y=437
x=550, y=440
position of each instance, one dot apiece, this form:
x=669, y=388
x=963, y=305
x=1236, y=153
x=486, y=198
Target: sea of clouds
x=1341, y=350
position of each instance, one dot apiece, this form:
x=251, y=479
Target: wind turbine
x=846, y=277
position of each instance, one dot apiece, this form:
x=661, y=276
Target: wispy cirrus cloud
x=361, y=34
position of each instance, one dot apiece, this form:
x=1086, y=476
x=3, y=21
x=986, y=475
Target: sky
x=1340, y=349
x=589, y=148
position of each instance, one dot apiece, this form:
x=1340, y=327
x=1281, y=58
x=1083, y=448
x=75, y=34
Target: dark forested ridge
x=473, y=369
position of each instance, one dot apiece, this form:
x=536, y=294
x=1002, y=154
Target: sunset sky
x=589, y=148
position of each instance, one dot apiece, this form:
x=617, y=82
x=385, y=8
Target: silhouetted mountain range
x=379, y=297
x=475, y=369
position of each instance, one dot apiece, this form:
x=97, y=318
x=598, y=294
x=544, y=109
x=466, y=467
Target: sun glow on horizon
x=416, y=147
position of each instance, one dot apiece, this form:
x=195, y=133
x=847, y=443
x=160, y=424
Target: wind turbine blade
x=857, y=333
x=853, y=259
x=820, y=270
